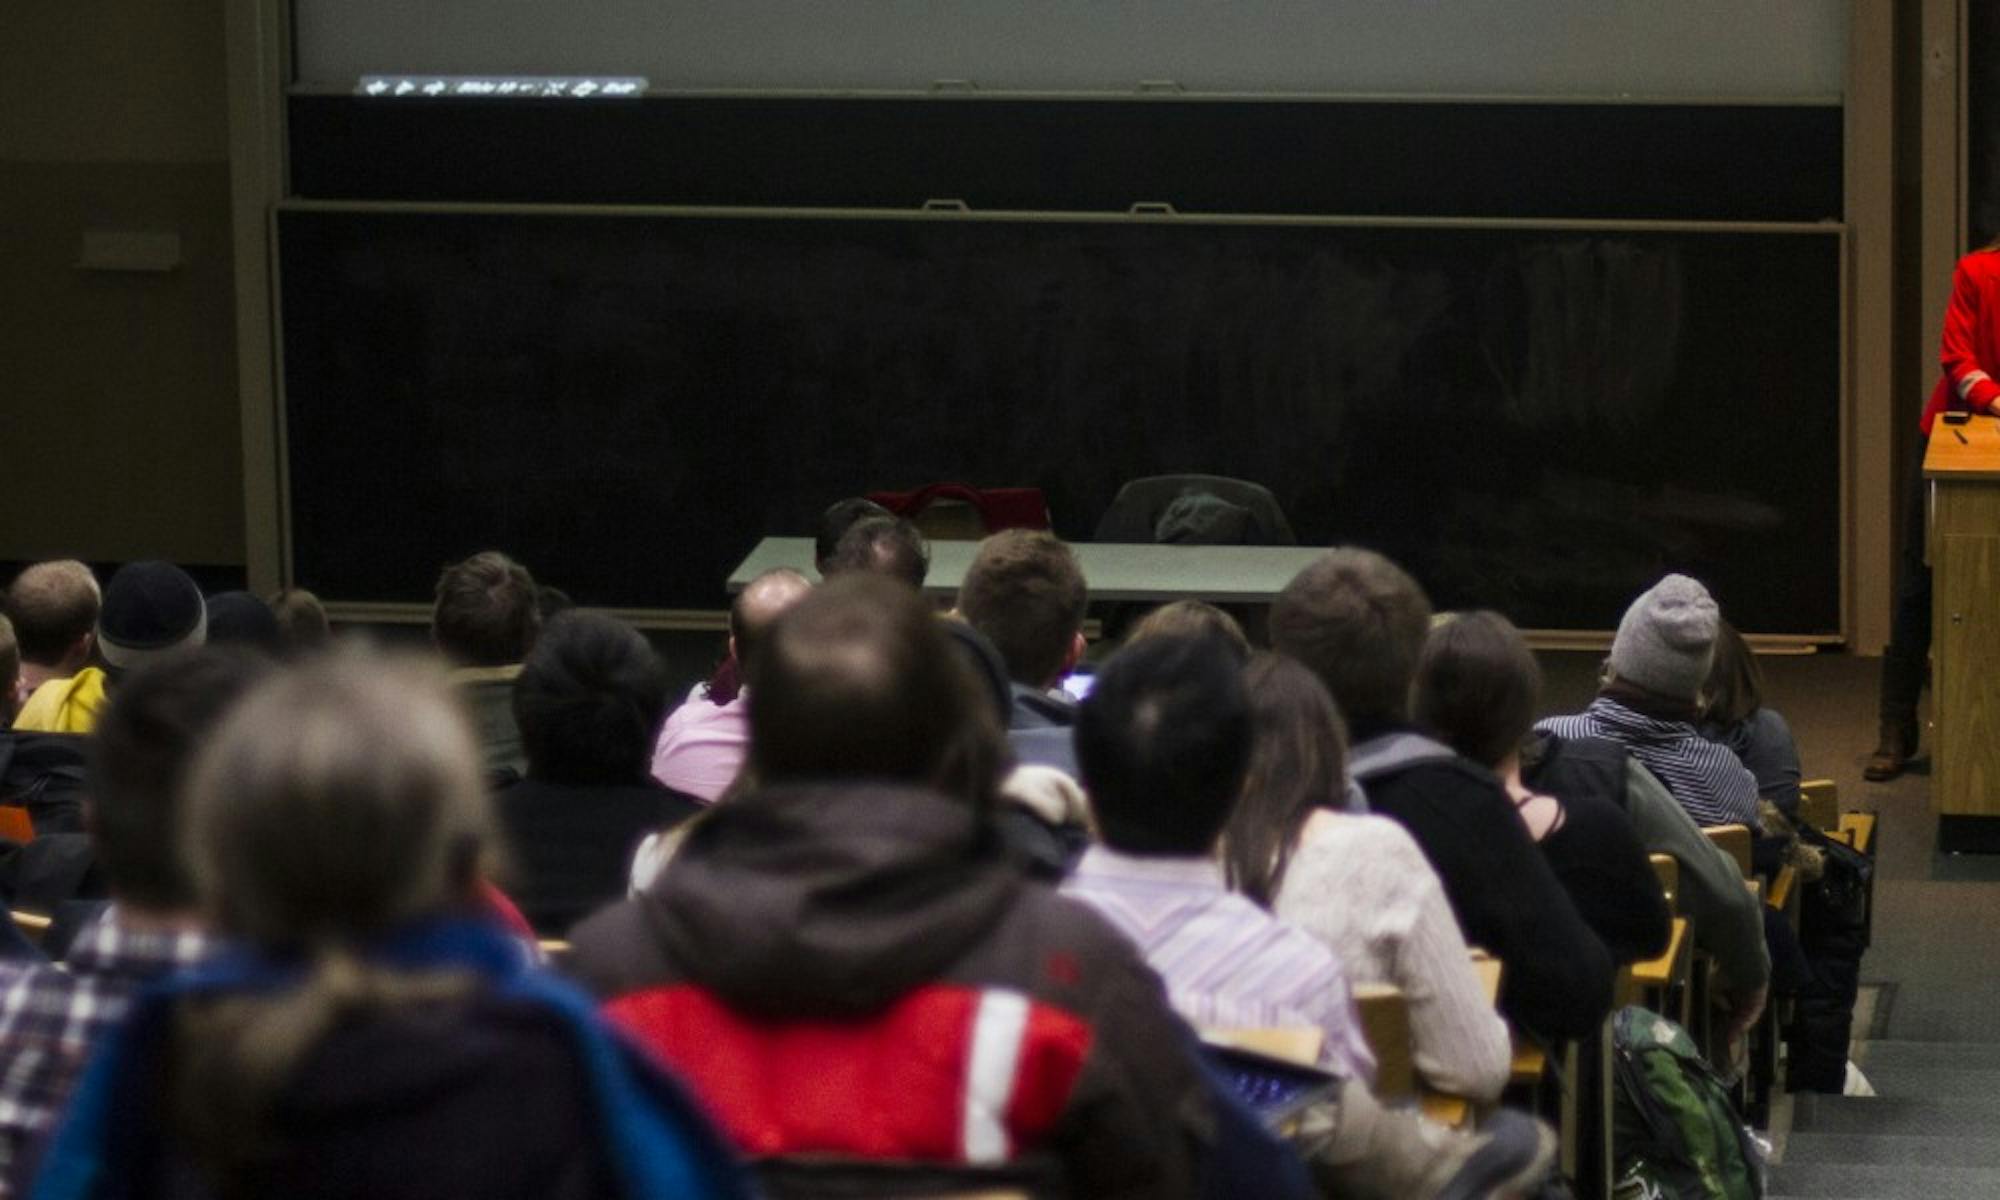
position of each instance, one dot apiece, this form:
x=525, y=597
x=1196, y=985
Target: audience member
x=54, y=608
x=1358, y=621
x=1184, y=617
x=828, y=948
x=149, y=609
x=367, y=1038
x=1477, y=689
x=302, y=622
x=1356, y=882
x=1164, y=739
x=702, y=746
x=1651, y=698
x=1734, y=715
x=242, y=619
x=53, y=1016
x=484, y=622
x=551, y=602
x=588, y=702
x=839, y=517
x=1025, y=593
x=889, y=546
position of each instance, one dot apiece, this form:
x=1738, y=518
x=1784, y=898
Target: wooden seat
x=1734, y=841
x=1667, y=869
x=1385, y=1022
x=1857, y=829
x=1290, y=1043
x=33, y=926
x=1819, y=804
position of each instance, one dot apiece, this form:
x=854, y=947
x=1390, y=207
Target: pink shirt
x=703, y=745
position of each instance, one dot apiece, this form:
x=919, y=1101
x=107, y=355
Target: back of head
x=1298, y=764
x=54, y=607
x=1735, y=684
x=1478, y=686
x=589, y=700
x=838, y=518
x=1163, y=739
x=150, y=609
x=302, y=623
x=241, y=618
x=1666, y=641
x=1025, y=592
x=485, y=614
x=1357, y=621
x=760, y=603
x=146, y=739
x=340, y=799
x=858, y=681
x=888, y=546
x=1182, y=618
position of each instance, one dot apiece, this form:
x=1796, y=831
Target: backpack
x=1674, y=1134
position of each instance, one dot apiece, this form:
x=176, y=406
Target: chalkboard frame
x=359, y=608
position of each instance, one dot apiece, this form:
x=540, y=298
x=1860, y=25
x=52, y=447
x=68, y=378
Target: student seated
x=1356, y=881
x=365, y=1037
x=149, y=609
x=1734, y=714
x=846, y=966
x=483, y=621
x=52, y=1016
x=1651, y=698
x=1358, y=621
x=1478, y=687
x=1164, y=739
x=588, y=701
x=1025, y=592
x=54, y=607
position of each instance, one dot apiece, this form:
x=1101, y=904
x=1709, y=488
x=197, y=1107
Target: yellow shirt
x=64, y=705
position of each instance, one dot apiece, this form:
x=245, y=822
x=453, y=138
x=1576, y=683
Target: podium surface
x=1962, y=475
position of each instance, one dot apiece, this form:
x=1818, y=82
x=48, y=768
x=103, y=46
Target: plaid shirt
x=52, y=1014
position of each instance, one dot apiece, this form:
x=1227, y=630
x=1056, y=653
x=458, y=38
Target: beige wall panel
x=120, y=434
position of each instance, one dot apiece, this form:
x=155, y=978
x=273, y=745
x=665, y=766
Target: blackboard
x=1659, y=161
x=1533, y=419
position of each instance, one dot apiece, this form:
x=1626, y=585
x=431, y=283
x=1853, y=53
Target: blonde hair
x=336, y=801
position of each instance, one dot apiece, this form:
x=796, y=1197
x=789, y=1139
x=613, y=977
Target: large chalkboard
x=1533, y=419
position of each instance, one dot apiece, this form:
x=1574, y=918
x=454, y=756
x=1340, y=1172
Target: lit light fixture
x=503, y=87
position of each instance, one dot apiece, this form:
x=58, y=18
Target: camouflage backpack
x=1675, y=1135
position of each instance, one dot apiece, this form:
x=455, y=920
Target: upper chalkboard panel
x=1698, y=162
x=1536, y=420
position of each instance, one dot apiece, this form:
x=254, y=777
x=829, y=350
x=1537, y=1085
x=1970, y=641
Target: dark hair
x=1735, y=683
x=302, y=622
x=888, y=546
x=1298, y=763
x=1162, y=740
x=1184, y=617
x=53, y=604
x=589, y=701
x=144, y=743
x=1025, y=592
x=857, y=680
x=551, y=600
x=1357, y=621
x=1478, y=686
x=761, y=602
x=10, y=668
x=244, y=619
x=836, y=520
x=485, y=615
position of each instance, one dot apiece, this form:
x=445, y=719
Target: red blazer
x=1971, y=337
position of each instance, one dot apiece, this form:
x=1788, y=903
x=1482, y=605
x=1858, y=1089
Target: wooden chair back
x=33, y=926
x=1385, y=1022
x=1819, y=804
x=1667, y=869
x=1735, y=842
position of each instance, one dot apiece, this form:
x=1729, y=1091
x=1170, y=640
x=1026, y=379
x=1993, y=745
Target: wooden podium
x=1962, y=474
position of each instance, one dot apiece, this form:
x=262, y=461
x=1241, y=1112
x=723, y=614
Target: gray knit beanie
x=1667, y=639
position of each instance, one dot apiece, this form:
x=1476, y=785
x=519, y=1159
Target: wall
x=118, y=411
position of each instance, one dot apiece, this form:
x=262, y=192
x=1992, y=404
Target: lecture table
x=1962, y=468
x=1114, y=570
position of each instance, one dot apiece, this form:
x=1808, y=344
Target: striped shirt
x=1226, y=962
x=1708, y=780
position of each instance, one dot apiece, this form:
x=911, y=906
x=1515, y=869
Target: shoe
x=1510, y=1155
x=1898, y=743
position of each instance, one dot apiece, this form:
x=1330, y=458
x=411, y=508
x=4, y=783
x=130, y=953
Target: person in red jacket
x=1970, y=355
